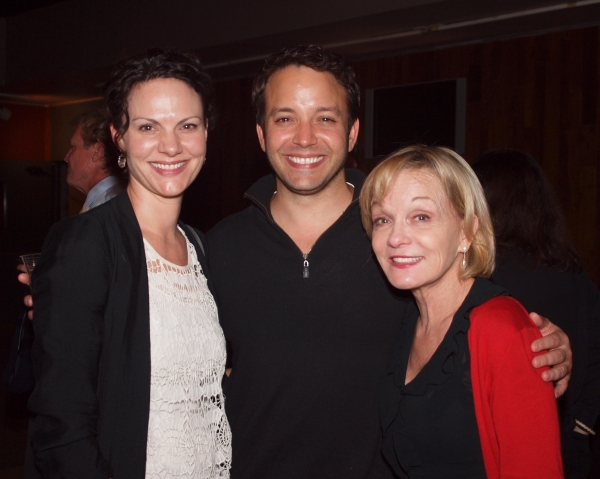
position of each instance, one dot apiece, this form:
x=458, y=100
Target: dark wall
x=234, y=159
x=33, y=199
x=26, y=134
x=538, y=94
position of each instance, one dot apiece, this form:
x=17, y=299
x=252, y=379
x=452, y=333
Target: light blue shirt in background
x=103, y=191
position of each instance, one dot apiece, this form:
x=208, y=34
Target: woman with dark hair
x=129, y=354
x=539, y=265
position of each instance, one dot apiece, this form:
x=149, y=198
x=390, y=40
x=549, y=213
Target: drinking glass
x=30, y=260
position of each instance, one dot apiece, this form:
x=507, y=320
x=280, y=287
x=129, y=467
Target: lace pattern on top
x=188, y=432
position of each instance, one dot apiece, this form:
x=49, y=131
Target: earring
x=122, y=161
x=464, y=261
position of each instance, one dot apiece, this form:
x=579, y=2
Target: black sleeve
x=70, y=287
x=588, y=403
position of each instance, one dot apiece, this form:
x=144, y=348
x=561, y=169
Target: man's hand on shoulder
x=558, y=356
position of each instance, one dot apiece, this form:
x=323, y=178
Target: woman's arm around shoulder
x=516, y=410
x=70, y=287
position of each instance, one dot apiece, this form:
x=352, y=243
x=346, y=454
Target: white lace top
x=188, y=432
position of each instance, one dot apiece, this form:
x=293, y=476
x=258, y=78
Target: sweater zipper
x=305, y=265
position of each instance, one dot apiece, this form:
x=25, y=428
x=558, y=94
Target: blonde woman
x=460, y=397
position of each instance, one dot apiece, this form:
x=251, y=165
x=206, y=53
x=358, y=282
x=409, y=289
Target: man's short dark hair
x=95, y=129
x=311, y=56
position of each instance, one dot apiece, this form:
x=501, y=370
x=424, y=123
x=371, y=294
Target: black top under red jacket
x=307, y=352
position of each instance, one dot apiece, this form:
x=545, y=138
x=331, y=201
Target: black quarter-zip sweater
x=307, y=352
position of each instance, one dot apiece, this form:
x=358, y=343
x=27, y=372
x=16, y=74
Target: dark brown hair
x=95, y=129
x=525, y=211
x=150, y=65
x=311, y=56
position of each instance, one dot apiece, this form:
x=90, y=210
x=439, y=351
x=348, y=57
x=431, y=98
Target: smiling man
x=310, y=319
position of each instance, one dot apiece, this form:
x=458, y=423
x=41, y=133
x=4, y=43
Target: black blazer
x=91, y=353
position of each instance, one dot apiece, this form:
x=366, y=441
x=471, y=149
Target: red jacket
x=519, y=433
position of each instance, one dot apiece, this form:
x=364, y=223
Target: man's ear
x=97, y=151
x=353, y=134
x=261, y=137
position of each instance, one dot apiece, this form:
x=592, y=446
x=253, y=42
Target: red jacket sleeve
x=516, y=410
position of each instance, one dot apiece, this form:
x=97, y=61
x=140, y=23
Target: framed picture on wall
x=432, y=113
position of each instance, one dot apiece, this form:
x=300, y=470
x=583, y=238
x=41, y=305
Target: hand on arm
x=558, y=356
x=23, y=277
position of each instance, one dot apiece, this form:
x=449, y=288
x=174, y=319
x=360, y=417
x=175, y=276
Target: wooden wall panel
x=538, y=94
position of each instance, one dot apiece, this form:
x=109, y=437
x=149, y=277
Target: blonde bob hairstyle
x=461, y=186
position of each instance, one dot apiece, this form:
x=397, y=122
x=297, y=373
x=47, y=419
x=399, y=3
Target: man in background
x=93, y=160
x=93, y=169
